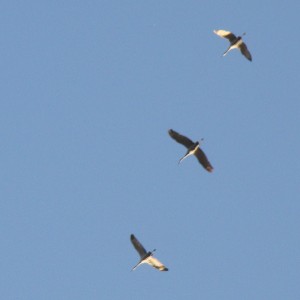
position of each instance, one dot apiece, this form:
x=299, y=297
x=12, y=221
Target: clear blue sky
x=89, y=90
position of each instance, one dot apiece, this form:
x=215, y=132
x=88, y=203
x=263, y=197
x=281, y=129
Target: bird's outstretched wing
x=245, y=51
x=181, y=138
x=154, y=262
x=203, y=160
x=138, y=246
x=225, y=34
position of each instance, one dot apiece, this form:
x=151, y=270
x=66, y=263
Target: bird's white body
x=150, y=260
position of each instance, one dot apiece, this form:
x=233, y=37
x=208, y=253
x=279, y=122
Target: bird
x=193, y=148
x=146, y=257
x=235, y=42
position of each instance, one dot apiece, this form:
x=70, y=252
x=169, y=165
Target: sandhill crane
x=235, y=42
x=146, y=257
x=193, y=148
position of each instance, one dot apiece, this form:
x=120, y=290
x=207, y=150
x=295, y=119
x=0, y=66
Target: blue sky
x=89, y=91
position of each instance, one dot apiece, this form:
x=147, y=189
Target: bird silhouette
x=193, y=148
x=146, y=257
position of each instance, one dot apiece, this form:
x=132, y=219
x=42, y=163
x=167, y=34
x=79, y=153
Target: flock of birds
x=193, y=148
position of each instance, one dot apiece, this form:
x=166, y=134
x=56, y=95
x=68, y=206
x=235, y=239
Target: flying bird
x=146, y=257
x=193, y=148
x=235, y=42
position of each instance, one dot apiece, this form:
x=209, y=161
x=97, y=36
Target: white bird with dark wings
x=193, y=148
x=146, y=257
x=235, y=42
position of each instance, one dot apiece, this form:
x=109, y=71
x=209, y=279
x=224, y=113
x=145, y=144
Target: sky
x=89, y=91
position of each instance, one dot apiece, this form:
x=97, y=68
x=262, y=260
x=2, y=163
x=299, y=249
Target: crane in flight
x=193, y=148
x=146, y=257
x=235, y=42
